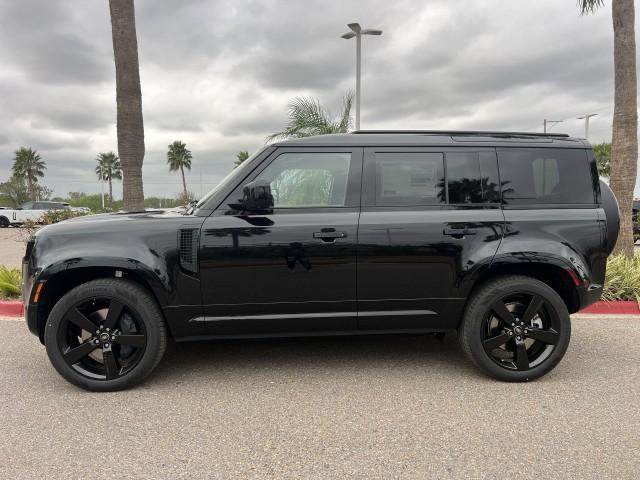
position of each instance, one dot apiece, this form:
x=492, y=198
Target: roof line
x=463, y=132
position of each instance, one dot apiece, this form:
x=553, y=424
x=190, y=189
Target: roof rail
x=463, y=132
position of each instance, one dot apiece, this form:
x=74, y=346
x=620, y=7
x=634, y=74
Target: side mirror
x=256, y=196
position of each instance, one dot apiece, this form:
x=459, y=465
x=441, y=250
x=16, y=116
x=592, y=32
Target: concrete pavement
x=365, y=407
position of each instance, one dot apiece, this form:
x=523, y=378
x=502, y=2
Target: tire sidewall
x=138, y=301
x=479, y=309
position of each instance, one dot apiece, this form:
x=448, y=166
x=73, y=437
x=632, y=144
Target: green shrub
x=55, y=216
x=622, y=281
x=10, y=281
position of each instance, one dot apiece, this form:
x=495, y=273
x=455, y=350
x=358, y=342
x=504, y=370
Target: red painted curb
x=10, y=308
x=613, y=308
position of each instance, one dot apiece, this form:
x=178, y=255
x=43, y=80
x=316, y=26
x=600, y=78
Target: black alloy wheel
x=515, y=328
x=519, y=332
x=105, y=335
x=101, y=338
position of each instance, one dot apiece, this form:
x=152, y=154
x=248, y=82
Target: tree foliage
x=14, y=192
x=589, y=6
x=307, y=117
x=28, y=166
x=602, y=152
x=241, y=156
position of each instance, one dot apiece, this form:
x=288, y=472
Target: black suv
x=499, y=236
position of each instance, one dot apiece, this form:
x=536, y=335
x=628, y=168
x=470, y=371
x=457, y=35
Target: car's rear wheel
x=105, y=335
x=4, y=222
x=515, y=329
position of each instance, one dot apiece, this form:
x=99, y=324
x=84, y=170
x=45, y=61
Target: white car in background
x=28, y=211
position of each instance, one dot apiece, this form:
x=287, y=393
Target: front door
x=292, y=269
x=424, y=234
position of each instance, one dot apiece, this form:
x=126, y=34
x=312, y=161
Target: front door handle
x=329, y=235
x=458, y=232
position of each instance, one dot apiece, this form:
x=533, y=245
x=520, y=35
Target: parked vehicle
x=29, y=211
x=499, y=236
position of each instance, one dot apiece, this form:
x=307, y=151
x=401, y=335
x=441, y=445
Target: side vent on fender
x=188, y=249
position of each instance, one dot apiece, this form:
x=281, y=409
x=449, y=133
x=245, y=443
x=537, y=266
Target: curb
x=612, y=308
x=9, y=308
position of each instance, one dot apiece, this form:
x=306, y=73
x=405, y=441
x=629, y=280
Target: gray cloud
x=218, y=75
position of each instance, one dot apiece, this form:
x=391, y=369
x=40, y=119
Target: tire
x=4, y=222
x=113, y=327
x=534, y=325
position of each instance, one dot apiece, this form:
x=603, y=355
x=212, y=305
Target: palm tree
x=29, y=166
x=308, y=117
x=624, y=152
x=179, y=158
x=107, y=169
x=129, y=102
x=241, y=156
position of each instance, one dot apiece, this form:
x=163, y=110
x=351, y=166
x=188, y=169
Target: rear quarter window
x=532, y=176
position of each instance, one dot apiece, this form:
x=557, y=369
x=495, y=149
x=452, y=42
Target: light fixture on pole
x=586, y=123
x=357, y=31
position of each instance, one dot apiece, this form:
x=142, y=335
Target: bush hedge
x=10, y=282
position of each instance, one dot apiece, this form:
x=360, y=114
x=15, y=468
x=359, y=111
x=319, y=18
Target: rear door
x=430, y=220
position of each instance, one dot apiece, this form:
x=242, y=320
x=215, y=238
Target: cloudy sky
x=218, y=74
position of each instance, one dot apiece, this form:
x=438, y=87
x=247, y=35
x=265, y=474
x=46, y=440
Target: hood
x=119, y=221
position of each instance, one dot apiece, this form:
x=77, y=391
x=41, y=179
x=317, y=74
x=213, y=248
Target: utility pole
x=357, y=31
x=550, y=122
x=586, y=123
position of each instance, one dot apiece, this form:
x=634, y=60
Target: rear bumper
x=589, y=295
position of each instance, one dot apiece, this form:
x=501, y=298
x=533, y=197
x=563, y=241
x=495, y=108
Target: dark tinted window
x=545, y=175
x=409, y=178
x=472, y=177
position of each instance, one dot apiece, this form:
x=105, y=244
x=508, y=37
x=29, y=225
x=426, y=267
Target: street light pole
x=586, y=123
x=357, y=31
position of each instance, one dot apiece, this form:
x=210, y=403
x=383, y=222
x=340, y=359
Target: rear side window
x=472, y=177
x=408, y=178
x=545, y=176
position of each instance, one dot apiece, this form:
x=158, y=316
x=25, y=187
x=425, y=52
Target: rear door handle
x=329, y=235
x=458, y=232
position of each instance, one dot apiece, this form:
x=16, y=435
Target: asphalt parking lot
x=364, y=407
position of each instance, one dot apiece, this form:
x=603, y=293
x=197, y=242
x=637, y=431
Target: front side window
x=545, y=176
x=312, y=179
x=408, y=178
x=472, y=177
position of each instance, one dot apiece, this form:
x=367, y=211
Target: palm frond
x=345, y=121
x=589, y=6
x=308, y=117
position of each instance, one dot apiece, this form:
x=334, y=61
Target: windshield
x=232, y=177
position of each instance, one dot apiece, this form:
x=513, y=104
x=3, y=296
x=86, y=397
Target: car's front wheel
x=515, y=328
x=105, y=335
